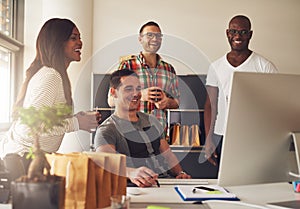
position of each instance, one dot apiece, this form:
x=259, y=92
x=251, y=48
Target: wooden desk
x=252, y=196
x=256, y=196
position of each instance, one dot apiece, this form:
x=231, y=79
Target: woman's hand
x=88, y=121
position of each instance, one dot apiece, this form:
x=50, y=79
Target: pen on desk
x=203, y=188
x=157, y=183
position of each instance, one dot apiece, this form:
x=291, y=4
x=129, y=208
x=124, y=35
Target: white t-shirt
x=220, y=74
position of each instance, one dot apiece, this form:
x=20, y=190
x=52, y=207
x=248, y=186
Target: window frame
x=14, y=43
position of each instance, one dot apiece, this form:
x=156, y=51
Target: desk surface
x=252, y=196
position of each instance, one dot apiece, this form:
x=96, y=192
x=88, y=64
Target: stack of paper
x=205, y=192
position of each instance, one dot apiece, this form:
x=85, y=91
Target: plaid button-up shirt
x=162, y=76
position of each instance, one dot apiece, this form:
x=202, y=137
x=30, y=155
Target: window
x=6, y=15
x=5, y=60
x=11, y=38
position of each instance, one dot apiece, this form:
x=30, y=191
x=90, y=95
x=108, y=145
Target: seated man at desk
x=136, y=134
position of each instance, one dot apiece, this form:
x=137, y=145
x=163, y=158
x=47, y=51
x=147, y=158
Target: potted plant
x=39, y=189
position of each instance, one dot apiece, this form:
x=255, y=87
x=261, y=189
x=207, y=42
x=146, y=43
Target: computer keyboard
x=168, y=181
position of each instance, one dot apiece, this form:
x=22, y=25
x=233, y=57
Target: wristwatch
x=182, y=172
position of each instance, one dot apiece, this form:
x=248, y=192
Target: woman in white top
x=47, y=84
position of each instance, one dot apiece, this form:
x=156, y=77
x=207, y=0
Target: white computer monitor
x=263, y=111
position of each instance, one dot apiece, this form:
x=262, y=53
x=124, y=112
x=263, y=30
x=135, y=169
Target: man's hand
x=142, y=176
x=152, y=94
x=183, y=175
x=163, y=102
x=210, y=151
x=157, y=96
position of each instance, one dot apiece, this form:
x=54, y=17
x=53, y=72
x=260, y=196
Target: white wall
x=194, y=33
x=79, y=11
x=203, y=23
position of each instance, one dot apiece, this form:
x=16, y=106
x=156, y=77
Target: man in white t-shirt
x=220, y=72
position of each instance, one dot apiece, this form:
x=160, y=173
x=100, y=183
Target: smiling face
x=72, y=47
x=239, y=34
x=150, y=38
x=128, y=94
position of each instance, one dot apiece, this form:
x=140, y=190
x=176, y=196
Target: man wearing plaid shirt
x=158, y=78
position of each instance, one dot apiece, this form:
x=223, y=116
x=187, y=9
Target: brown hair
x=50, y=52
x=115, y=78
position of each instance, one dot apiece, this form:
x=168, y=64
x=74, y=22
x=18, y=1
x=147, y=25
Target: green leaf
x=44, y=119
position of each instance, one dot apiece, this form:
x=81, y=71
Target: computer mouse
x=134, y=191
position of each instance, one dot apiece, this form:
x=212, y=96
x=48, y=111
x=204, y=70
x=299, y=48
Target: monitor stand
x=296, y=140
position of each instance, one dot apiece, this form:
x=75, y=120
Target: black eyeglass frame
x=240, y=32
x=151, y=35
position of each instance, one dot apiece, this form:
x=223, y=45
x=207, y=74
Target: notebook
x=204, y=192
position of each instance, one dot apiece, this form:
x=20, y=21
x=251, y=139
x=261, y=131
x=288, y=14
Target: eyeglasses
x=151, y=35
x=240, y=32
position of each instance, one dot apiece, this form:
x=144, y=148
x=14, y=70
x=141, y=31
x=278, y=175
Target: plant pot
x=39, y=195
